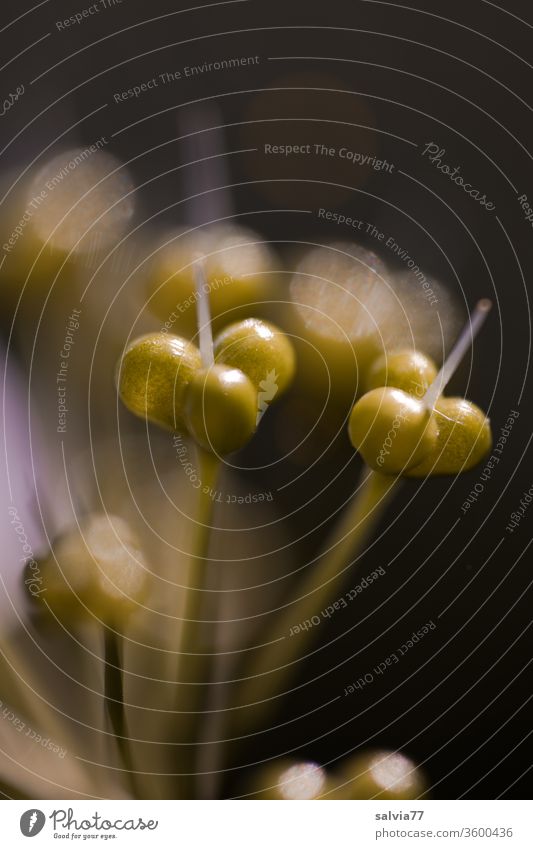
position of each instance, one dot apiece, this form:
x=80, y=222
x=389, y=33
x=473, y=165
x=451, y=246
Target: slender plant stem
x=197, y=644
x=196, y=655
x=114, y=697
x=273, y=664
x=16, y=677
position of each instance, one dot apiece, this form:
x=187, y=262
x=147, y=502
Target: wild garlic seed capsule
x=99, y=566
x=154, y=373
x=411, y=371
x=350, y=308
x=383, y=775
x=339, y=295
x=238, y=270
x=392, y=430
x=81, y=203
x=261, y=350
x=464, y=439
x=220, y=409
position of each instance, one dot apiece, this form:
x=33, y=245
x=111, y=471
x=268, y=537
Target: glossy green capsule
x=411, y=371
x=383, y=775
x=261, y=350
x=153, y=375
x=220, y=408
x=392, y=430
x=464, y=439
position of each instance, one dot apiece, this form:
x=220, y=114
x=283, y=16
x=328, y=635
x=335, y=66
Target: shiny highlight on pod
x=161, y=378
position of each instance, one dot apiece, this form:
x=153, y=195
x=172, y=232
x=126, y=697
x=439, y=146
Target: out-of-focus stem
x=272, y=665
x=196, y=655
x=114, y=696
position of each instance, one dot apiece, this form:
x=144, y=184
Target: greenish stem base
x=114, y=697
x=273, y=665
x=197, y=645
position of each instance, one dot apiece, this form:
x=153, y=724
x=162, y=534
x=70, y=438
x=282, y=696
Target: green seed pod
x=383, y=775
x=98, y=569
x=262, y=351
x=464, y=439
x=70, y=209
x=392, y=430
x=287, y=780
x=411, y=371
x=153, y=375
x=220, y=409
x=237, y=267
x=171, y=283
x=349, y=308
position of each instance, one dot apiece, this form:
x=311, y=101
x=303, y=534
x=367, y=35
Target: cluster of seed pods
x=403, y=425
x=163, y=378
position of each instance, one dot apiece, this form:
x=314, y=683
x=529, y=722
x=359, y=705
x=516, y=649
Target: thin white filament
x=203, y=312
x=465, y=340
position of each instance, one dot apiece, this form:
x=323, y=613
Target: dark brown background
x=423, y=79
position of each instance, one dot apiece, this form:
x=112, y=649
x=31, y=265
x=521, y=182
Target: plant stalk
x=114, y=699
x=273, y=664
x=196, y=656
